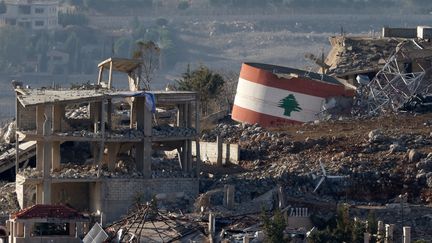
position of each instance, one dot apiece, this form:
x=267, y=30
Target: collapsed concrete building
x=392, y=72
x=121, y=130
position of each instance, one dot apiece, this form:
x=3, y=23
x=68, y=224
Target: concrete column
x=147, y=141
x=143, y=157
x=39, y=189
x=27, y=228
x=47, y=156
x=229, y=191
x=212, y=226
x=113, y=149
x=281, y=197
x=197, y=145
x=139, y=103
x=102, y=132
x=100, y=75
x=246, y=239
x=58, y=113
x=184, y=156
x=219, y=151
x=180, y=116
x=406, y=234
x=109, y=114
x=40, y=110
x=186, y=122
x=389, y=233
x=189, y=155
x=72, y=229
x=56, y=155
x=380, y=233
x=19, y=229
x=12, y=231
x=78, y=229
x=95, y=115
x=110, y=75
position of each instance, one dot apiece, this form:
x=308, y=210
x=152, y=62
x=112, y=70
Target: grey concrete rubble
x=162, y=168
x=81, y=112
x=8, y=199
x=170, y=131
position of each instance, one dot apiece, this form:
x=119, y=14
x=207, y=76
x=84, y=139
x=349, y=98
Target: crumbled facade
x=119, y=131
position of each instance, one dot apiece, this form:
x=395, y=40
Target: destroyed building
x=389, y=71
x=121, y=133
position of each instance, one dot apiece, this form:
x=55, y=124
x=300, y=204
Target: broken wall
x=26, y=117
x=75, y=194
x=120, y=194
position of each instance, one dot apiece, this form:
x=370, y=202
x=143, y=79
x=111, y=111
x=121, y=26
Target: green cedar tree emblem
x=289, y=104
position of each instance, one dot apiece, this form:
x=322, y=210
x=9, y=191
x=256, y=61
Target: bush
x=274, y=228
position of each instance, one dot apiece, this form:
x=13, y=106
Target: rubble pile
x=167, y=168
x=124, y=168
x=76, y=171
x=359, y=54
x=81, y=112
x=169, y=131
x=122, y=133
x=8, y=199
x=384, y=157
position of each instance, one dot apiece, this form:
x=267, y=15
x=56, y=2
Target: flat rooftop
x=33, y=97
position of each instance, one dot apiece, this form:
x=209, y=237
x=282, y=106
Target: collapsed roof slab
x=124, y=65
x=33, y=97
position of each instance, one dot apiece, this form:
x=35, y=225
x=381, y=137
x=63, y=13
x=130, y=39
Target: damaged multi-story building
x=97, y=147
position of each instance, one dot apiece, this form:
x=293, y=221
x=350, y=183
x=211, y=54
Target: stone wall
x=26, y=117
x=119, y=194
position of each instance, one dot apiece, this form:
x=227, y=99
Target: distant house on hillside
x=35, y=15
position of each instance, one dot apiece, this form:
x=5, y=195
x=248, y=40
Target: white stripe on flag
x=266, y=100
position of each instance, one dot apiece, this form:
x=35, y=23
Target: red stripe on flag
x=300, y=85
x=241, y=114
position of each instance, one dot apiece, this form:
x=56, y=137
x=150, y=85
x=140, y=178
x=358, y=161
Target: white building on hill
x=35, y=15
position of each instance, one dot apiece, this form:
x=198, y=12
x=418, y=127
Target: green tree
x=149, y=54
x=274, y=227
x=289, y=104
x=204, y=81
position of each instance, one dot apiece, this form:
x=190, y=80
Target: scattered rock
x=414, y=155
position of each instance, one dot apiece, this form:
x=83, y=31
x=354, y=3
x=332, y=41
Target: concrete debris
x=124, y=168
x=370, y=156
x=147, y=223
x=357, y=54
x=9, y=135
x=81, y=112
x=414, y=156
x=170, y=131
x=8, y=199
